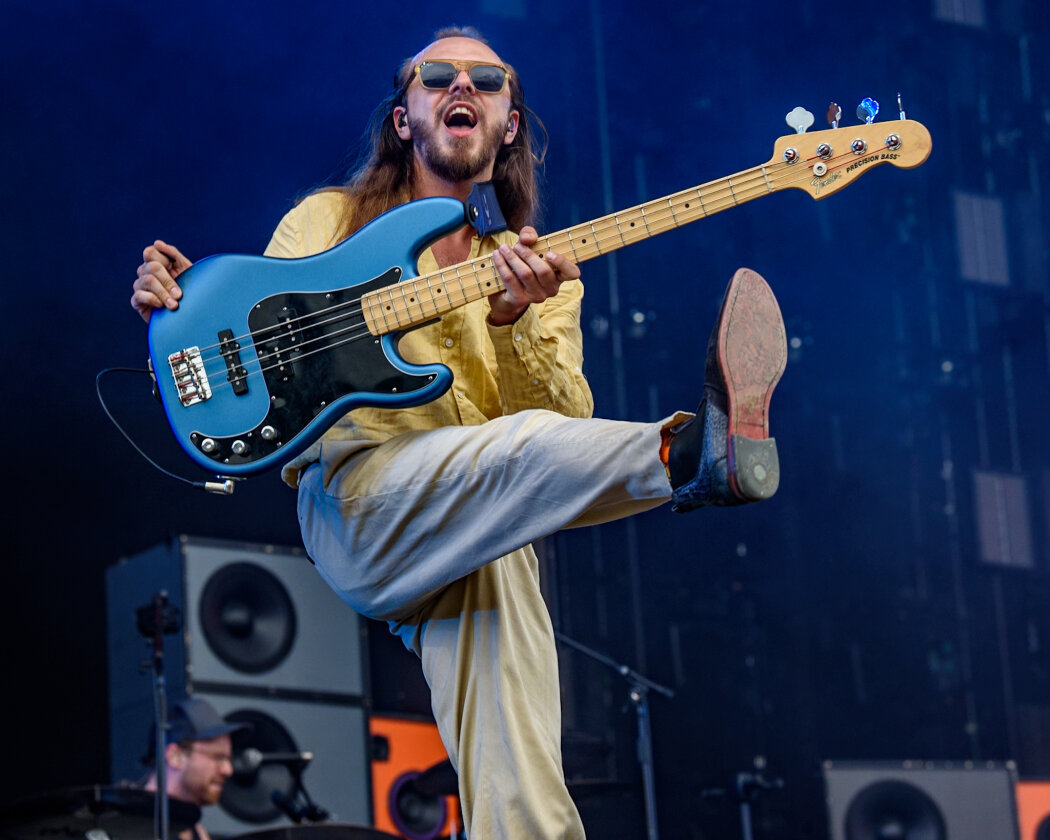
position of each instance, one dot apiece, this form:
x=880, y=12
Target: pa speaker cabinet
x=1033, y=809
x=935, y=801
x=413, y=783
x=256, y=621
x=336, y=779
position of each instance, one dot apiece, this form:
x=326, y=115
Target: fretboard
x=413, y=302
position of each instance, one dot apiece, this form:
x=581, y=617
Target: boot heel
x=754, y=468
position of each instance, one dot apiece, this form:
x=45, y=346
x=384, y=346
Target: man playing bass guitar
x=422, y=516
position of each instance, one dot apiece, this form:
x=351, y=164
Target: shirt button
x=535, y=382
x=449, y=342
x=517, y=336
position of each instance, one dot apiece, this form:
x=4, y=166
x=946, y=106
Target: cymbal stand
x=638, y=696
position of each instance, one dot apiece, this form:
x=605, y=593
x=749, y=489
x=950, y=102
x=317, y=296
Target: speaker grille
x=248, y=618
x=920, y=800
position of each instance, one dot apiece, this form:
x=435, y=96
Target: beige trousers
x=427, y=532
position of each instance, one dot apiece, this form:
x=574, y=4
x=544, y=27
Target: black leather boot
x=724, y=455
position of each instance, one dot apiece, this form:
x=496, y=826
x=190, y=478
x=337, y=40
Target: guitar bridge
x=191, y=380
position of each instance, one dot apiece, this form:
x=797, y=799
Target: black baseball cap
x=192, y=719
x=195, y=719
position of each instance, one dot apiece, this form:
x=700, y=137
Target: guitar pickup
x=284, y=340
x=191, y=380
x=236, y=375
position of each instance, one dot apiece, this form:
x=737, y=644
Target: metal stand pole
x=638, y=696
x=155, y=620
x=160, y=708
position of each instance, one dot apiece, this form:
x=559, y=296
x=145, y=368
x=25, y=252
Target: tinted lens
x=487, y=78
x=436, y=74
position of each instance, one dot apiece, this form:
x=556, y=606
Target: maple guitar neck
x=820, y=163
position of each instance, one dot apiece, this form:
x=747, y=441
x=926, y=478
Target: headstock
x=823, y=162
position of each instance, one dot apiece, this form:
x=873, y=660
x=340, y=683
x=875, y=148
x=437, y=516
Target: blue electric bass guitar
x=263, y=355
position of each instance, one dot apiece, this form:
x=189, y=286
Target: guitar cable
x=222, y=488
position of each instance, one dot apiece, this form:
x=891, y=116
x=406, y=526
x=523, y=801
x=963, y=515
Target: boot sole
x=752, y=355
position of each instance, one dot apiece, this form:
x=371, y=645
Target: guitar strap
x=483, y=210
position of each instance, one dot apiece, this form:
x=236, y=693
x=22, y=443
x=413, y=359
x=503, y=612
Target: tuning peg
x=799, y=119
x=900, y=107
x=834, y=114
x=867, y=110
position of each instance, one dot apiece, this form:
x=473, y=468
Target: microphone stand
x=745, y=790
x=747, y=787
x=160, y=706
x=313, y=812
x=638, y=696
x=154, y=621
x=310, y=811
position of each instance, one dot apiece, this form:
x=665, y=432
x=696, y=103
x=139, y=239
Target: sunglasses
x=439, y=75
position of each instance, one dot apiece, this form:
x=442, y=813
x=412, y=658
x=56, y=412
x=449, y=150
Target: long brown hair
x=385, y=178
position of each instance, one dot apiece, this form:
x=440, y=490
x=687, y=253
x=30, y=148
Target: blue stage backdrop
x=892, y=601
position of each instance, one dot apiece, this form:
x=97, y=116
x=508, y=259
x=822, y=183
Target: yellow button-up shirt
x=536, y=362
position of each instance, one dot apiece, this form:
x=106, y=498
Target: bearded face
x=456, y=144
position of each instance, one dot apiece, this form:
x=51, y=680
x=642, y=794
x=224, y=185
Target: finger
x=144, y=303
x=154, y=253
x=533, y=288
x=154, y=280
x=546, y=273
x=178, y=259
x=528, y=236
x=168, y=255
x=511, y=281
x=162, y=277
x=563, y=266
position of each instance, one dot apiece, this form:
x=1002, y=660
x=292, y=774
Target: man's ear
x=400, y=117
x=174, y=756
x=512, y=127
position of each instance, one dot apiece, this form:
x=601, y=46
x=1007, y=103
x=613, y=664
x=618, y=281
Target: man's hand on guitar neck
x=527, y=277
x=155, y=286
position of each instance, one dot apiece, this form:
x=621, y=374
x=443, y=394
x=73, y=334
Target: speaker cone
x=893, y=810
x=247, y=617
x=249, y=797
x=417, y=812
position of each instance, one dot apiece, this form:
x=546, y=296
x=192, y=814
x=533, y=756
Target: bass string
x=678, y=209
x=251, y=374
x=750, y=183
x=664, y=214
x=264, y=331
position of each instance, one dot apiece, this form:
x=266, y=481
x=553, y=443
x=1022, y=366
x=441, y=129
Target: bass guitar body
x=264, y=354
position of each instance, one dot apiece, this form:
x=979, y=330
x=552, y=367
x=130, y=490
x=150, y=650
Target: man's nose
x=462, y=82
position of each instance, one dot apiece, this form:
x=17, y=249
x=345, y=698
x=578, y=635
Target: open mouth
x=460, y=119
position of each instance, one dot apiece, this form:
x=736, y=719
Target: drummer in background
x=198, y=756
